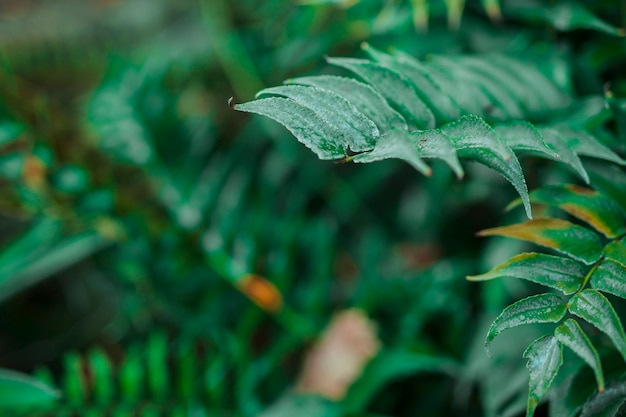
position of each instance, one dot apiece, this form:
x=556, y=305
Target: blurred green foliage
x=163, y=255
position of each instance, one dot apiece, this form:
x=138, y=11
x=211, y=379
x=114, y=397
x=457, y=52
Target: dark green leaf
x=443, y=105
x=610, y=277
x=616, y=252
x=556, y=272
x=585, y=144
x=412, y=147
x=523, y=136
x=396, y=89
x=475, y=139
x=545, y=356
x=571, y=335
x=560, y=235
x=594, y=308
x=542, y=308
x=566, y=155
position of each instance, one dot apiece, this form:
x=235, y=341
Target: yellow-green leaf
x=601, y=212
x=556, y=272
x=563, y=236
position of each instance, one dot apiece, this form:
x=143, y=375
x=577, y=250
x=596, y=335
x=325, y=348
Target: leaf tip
x=231, y=103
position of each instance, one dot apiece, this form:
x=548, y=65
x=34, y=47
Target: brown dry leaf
x=338, y=358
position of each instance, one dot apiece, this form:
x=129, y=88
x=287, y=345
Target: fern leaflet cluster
x=478, y=108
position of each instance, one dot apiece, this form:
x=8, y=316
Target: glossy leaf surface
x=542, y=308
x=563, y=236
x=556, y=272
x=592, y=207
x=571, y=335
x=595, y=309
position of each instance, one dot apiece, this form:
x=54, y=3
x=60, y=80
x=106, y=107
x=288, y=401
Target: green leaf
x=560, y=235
x=523, y=136
x=571, y=335
x=585, y=144
x=567, y=155
x=20, y=390
x=394, y=87
x=442, y=105
x=542, y=308
x=616, y=252
x=545, y=356
x=592, y=207
x=364, y=98
x=556, y=272
x=475, y=139
x=358, y=131
x=595, y=309
x=607, y=403
x=482, y=75
x=610, y=277
x=306, y=125
x=412, y=147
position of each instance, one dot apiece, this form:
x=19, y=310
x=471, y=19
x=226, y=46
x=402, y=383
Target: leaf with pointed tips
x=394, y=87
x=585, y=144
x=565, y=237
x=364, y=98
x=545, y=357
x=595, y=309
x=442, y=105
x=523, y=136
x=358, y=131
x=306, y=125
x=571, y=335
x=412, y=147
x=567, y=155
x=467, y=71
x=592, y=207
x=542, y=308
x=556, y=272
x=474, y=139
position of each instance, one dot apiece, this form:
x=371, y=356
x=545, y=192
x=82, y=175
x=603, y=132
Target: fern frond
x=480, y=108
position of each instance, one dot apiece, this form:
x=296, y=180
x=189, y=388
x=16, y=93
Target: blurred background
x=161, y=254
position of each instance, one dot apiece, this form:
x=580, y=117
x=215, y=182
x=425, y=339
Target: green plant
x=163, y=255
x=483, y=108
